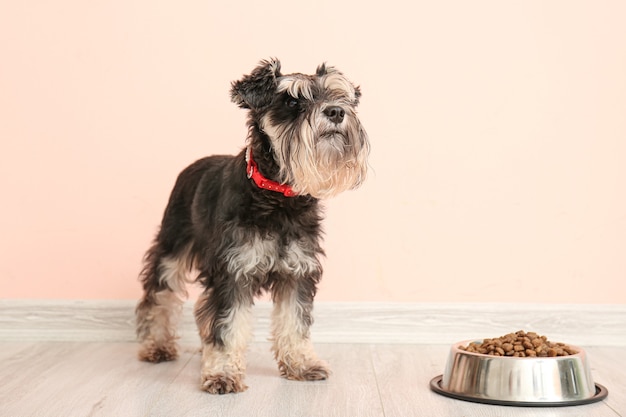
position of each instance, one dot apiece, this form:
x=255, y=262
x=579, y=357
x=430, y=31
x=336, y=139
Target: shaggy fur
x=243, y=240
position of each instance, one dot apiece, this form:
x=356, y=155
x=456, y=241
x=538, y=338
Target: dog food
x=520, y=344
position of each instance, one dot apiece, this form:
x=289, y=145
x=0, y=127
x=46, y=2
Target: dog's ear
x=257, y=90
x=324, y=69
x=357, y=95
x=321, y=70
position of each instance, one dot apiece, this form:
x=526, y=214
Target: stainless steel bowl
x=554, y=381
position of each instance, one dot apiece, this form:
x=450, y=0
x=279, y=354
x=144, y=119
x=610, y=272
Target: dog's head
x=310, y=120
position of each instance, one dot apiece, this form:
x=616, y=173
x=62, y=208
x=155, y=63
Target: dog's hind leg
x=158, y=312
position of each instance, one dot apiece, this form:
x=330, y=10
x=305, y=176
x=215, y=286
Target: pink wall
x=498, y=133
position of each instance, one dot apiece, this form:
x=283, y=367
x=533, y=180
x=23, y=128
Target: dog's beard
x=319, y=158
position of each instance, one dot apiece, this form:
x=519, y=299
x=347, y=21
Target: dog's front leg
x=291, y=321
x=225, y=330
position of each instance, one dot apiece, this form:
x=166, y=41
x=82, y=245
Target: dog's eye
x=291, y=102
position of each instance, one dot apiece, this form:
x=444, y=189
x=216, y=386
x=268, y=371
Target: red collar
x=253, y=172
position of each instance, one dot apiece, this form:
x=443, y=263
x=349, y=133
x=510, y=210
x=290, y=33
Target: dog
x=251, y=223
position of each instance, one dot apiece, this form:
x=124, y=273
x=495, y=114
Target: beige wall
x=498, y=133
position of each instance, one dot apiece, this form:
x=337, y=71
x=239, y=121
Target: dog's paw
x=150, y=352
x=223, y=384
x=310, y=371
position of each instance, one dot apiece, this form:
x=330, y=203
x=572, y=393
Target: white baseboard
x=584, y=325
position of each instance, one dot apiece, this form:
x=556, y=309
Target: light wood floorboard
x=352, y=387
x=105, y=379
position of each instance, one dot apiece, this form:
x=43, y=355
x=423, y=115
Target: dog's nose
x=335, y=114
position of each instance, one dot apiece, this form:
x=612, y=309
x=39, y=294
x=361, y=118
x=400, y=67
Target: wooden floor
x=104, y=379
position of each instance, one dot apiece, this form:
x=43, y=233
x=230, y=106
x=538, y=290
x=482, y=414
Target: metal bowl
x=504, y=380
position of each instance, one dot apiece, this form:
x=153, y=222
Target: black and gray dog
x=251, y=223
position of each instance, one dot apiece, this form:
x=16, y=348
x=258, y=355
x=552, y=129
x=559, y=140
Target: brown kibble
x=520, y=344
